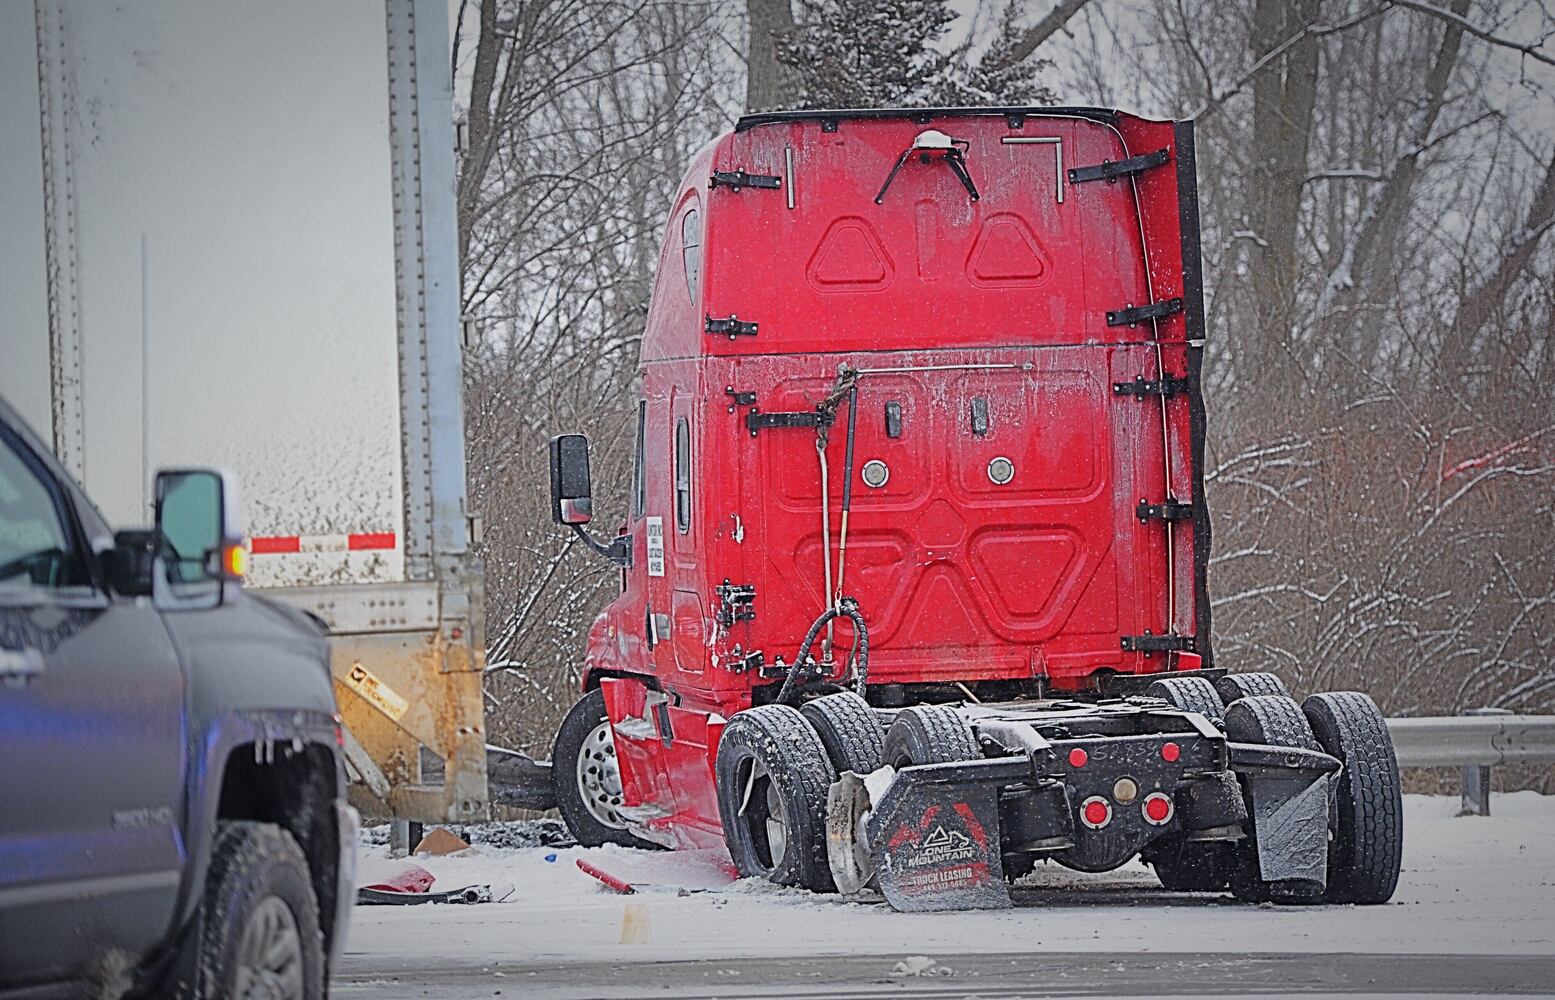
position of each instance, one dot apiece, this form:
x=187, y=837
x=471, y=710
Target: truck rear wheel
x=1367, y=848
x=929, y=734
x=850, y=732
x=1189, y=694
x=1250, y=685
x=587, y=777
x=1183, y=866
x=1275, y=721
x=772, y=776
x=259, y=925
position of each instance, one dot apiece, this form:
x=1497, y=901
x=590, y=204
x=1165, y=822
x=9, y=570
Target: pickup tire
x=1368, y=834
x=929, y=734
x=850, y=732
x=587, y=778
x=772, y=776
x=1250, y=685
x=259, y=922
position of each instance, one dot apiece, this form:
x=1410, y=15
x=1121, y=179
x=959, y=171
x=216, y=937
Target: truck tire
x=1275, y=721
x=850, y=732
x=1250, y=685
x=772, y=776
x=1189, y=694
x=1183, y=866
x=929, y=734
x=587, y=778
x=259, y=924
x=1367, y=848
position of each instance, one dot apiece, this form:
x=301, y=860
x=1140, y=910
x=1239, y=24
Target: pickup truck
x=173, y=817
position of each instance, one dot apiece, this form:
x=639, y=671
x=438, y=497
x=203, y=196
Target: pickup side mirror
x=199, y=539
x=572, y=495
x=129, y=564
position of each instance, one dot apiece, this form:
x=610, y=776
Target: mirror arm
x=619, y=551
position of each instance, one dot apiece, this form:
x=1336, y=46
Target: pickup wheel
x=259, y=925
x=929, y=734
x=853, y=737
x=1368, y=837
x=772, y=776
x=587, y=777
x=1250, y=685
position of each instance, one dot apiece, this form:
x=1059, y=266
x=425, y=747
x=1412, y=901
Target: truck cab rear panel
x=1010, y=422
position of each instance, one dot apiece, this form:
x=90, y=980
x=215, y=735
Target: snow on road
x=1471, y=885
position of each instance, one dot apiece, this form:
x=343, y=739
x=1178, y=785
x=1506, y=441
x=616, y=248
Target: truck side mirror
x=199, y=538
x=572, y=495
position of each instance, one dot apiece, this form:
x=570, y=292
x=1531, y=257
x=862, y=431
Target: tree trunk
x=769, y=85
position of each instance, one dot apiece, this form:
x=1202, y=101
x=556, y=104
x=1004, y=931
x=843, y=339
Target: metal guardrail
x=1476, y=741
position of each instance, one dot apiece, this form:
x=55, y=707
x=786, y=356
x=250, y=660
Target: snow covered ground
x=1471, y=886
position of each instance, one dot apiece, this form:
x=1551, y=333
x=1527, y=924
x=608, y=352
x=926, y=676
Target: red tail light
x=1096, y=812
x=1157, y=808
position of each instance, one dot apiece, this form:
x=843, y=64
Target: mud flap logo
x=945, y=851
x=942, y=847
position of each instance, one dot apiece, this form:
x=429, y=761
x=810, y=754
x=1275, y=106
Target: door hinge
x=1134, y=315
x=736, y=603
x=736, y=179
x=733, y=326
x=1171, y=509
x=1147, y=643
x=756, y=420
x=1110, y=170
x=1142, y=387
x=739, y=398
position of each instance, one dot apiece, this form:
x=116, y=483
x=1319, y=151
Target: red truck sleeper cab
x=1019, y=317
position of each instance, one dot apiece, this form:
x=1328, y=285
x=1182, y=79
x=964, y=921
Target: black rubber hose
x=848, y=608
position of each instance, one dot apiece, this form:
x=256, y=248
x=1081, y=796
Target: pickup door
x=91, y=740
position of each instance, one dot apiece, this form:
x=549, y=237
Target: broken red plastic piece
x=413, y=878
x=624, y=888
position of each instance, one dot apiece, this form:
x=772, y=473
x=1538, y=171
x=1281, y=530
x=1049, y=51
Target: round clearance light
x=1001, y=470
x=1125, y=790
x=1170, y=752
x=1157, y=809
x=875, y=473
x=1078, y=757
x=1096, y=812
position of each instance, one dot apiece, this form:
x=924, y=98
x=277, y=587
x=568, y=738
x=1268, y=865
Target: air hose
x=847, y=608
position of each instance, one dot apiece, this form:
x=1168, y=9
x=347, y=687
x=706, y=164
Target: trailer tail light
x=1170, y=752
x=1096, y=812
x=1157, y=809
x=1078, y=757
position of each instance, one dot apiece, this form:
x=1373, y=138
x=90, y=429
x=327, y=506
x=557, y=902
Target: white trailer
x=227, y=237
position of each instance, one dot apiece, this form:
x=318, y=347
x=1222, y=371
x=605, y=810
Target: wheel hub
x=599, y=777
x=269, y=964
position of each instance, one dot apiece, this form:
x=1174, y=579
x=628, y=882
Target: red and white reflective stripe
x=370, y=541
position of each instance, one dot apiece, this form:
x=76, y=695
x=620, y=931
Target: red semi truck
x=914, y=579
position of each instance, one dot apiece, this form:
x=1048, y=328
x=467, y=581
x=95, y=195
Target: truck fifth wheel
x=914, y=575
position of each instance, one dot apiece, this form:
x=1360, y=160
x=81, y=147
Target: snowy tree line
x=1377, y=180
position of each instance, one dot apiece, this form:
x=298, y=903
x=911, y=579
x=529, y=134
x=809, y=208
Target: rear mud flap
x=934, y=838
x=1291, y=791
